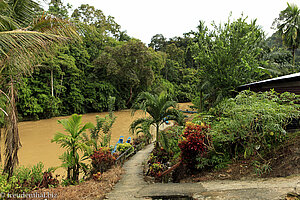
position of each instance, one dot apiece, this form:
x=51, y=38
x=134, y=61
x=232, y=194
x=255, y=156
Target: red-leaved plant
x=102, y=160
x=194, y=143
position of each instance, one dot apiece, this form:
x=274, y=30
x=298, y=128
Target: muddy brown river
x=36, y=136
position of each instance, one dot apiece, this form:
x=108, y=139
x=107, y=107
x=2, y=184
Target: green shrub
x=10, y=185
x=170, y=139
x=212, y=160
x=252, y=122
x=123, y=147
x=33, y=174
x=24, y=179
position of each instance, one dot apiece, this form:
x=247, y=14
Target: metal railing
x=126, y=154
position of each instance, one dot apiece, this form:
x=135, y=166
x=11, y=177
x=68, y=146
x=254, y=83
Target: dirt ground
x=285, y=161
x=90, y=189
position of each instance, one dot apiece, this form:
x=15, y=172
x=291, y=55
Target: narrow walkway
x=133, y=187
x=132, y=180
x=260, y=189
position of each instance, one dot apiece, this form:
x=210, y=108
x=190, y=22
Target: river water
x=36, y=136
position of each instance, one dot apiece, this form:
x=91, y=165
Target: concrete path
x=132, y=180
x=260, y=189
x=132, y=186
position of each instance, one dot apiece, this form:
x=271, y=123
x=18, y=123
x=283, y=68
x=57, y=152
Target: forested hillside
x=203, y=66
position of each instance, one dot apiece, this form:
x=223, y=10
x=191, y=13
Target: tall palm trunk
x=294, y=49
x=12, y=139
x=157, y=135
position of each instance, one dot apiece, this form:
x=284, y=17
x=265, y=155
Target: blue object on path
x=188, y=111
x=165, y=120
x=128, y=140
x=120, y=141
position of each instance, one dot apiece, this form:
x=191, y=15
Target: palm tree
x=288, y=25
x=22, y=40
x=74, y=141
x=143, y=128
x=159, y=107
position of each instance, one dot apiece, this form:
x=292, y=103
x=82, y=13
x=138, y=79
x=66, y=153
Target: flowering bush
x=159, y=155
x=159, y=161
x=102, y=160
x=123, y=147
x=156, y=169
x=194, y=143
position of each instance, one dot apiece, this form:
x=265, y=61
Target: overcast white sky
x=143, y=19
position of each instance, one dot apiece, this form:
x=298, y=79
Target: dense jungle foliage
x=83, y=62
x=203, y=66
x=249, y=127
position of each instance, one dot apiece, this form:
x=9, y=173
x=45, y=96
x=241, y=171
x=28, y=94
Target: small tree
x=103, y=127
x=159, y=107
x=73, y=141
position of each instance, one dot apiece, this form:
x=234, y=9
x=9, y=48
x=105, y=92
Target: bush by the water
x=26, y=179
x=123, y=147
x=102, y=160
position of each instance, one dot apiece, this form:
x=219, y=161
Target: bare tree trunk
x=130, y=97
x=12, y=139
x=201, y=102
x=52, y=87
x=69, y=173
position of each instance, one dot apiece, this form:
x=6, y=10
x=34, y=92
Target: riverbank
x=36, y=137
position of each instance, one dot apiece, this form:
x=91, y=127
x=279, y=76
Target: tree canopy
x=288, y=26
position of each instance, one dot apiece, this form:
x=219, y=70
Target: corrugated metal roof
x=295, y=75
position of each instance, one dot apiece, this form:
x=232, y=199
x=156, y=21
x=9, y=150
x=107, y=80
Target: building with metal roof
x=287, y=83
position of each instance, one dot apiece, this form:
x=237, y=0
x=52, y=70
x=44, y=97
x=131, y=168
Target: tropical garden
x=56, y=63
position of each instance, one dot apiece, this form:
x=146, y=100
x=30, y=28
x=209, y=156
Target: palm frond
x=53, y=25
x=174, y=114
x=144, y=128
x=7, y=23
x=144, y=100
x=64, y=140
x=3, y=6
x=168, y=104
x=88, y=125
x=22, y=11
x=164, y=142
x=21, y=49
x=135, y=124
